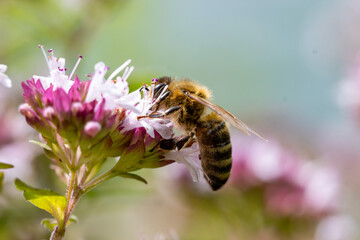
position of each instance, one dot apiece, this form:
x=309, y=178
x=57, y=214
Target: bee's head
x=166, y=80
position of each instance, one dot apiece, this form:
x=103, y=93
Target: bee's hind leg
x=184, y=141
x=176, y=143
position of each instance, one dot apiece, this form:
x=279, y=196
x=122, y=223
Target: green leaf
x=49, y=223
x=1, y=180
x=5, y=165
x=155, y=164
x=132, y=176
x=47, y=200
x=41, y=144
x=50, y=154
x=72, y=219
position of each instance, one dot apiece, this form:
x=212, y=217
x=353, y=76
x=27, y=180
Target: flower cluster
x=82, y=123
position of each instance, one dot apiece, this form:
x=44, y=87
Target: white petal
x=56, y=63
x=127, y=105
x=130, y=100
x=60, y=80
x=130, y=122
x=190, y=158
x=45, y=81
x=3, y=68
x=163, y=126
x=5, y=80
x=149, y=129
x=97, y=80
x=122, y=86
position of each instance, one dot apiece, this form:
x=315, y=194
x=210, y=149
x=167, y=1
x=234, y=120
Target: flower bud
x=92, y=128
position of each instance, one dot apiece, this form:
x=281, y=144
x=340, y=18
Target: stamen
x=128, y=73
x=144, y=106
x=126, y=70
x=46, y=57
x=76, y=65
x=52, y=54
x=152, y=89
x=119, y=69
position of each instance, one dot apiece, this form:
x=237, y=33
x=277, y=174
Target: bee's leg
x=161, y=115
x=184, y=141
x=167, y=112
x=158, y=89
x=176, y=143
x=166, y=144
x=143, y=87
x=159, y=98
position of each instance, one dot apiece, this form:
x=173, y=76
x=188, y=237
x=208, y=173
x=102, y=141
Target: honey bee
x=185, y=102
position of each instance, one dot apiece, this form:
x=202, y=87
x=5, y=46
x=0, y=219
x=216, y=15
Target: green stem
x=72, y=195
x=57, y=234
x=98, y=180
x=69, y=193
x=74, y=191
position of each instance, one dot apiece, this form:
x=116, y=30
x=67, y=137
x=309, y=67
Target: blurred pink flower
x=292, y=186
x=349, y=89
x=21, y=160
x=337, y=227
x=313, y=190
x=258, y=162
x=14, y=146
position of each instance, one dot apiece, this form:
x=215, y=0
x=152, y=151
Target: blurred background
x=289, y=69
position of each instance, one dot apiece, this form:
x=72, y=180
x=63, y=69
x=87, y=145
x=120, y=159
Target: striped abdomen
x=215, y=149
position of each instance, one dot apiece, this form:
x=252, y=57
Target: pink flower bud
x=92, y=128
x=49, y=112
x=26, y=110
x=76, y=107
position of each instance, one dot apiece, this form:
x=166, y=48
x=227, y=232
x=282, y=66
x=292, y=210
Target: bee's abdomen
x=215, y=151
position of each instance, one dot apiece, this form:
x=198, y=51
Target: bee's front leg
x=161, y=115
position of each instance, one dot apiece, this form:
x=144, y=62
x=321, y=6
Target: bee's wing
x=228, y=117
